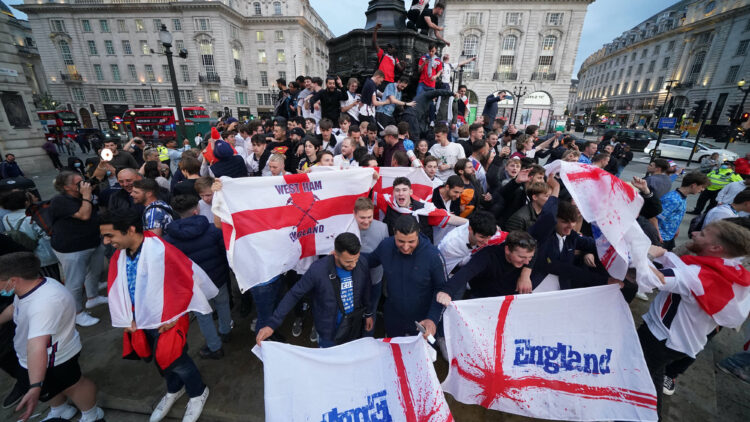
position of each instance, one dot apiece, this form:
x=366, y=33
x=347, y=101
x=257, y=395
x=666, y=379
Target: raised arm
x=375, y=37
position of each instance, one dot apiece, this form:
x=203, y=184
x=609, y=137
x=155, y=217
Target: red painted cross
x=302, y=213
x=495, y=384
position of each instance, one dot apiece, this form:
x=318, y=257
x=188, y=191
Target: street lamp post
x=98, y=123
x=519, y=91
x=733, y=130
x=661, y=112
x=166, y=39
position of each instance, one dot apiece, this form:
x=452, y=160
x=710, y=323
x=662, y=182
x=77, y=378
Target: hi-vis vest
x=722, y=177
x=163, y=153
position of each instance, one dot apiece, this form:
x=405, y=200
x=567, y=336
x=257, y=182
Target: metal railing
x=71, y=77
x=211, y=78
x=505, y=76
x=543, y=76
x=240, y=81
x=471, y=75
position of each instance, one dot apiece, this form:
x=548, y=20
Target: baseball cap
x=299, y=132
x=389, y=130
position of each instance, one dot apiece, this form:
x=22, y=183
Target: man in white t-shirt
x=346, y=158
x=458, y=245
x=449, y=68
x=446, y=152
x=46, y=341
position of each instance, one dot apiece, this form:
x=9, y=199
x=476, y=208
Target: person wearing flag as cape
x=699, y=293
x=152, y=307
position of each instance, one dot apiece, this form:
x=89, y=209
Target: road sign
x=667, y=123
x=117, y=120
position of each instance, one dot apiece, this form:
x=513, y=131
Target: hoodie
x=227, y=164
x=202, y=242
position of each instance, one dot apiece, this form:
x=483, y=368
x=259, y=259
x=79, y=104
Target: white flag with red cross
x=270, y=223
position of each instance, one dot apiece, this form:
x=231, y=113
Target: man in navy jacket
x=202, y=242
x=338, y=280
x=415, y=274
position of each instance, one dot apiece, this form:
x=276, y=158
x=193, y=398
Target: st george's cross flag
x=270, y=223
x=421, y=184
x=612, y=207
x=363, y=380
x=579, y=360
x=168, y=285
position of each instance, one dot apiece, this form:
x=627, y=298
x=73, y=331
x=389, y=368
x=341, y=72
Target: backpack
x=696, y=224
x=20, y=237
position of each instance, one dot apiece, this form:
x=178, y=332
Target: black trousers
x=657, y=356
x=706, y=196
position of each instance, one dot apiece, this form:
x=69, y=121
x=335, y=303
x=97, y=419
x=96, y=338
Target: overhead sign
x=667, y=123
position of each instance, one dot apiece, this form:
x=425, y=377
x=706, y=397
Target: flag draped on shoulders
x=364, y=380
x=611, y=206
x=167, y=285
x=270, y=223
x=558, y=364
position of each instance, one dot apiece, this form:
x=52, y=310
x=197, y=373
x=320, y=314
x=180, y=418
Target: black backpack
x=696, y=224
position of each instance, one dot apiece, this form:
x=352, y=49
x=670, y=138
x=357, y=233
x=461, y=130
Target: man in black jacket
x=339, y=284
x=330, y=98
x=448, y=196
x=418, y=116
x=121, y=198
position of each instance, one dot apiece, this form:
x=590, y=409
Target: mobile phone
x=423, y=330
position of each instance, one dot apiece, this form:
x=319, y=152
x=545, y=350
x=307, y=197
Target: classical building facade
x=529, y=44
x=104, y=55
x=21, y=80
x=702, y=46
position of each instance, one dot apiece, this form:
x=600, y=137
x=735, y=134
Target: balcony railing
x=23, y=49
x=71, y=77
x=505, y=76
x=211, y=78
x=471, y=75
x=543, y=76
x=240, y=81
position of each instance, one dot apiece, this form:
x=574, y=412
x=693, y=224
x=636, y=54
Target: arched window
x=256, y=6
x=206, y=48
x=276, y=8
x=548, y=43
x=237, y=62
x=471, y=43
x=695, y=70
x=509, y=42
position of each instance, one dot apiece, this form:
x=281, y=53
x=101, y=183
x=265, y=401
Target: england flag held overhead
x=580, y=359
x=364, y=380
x=270, y=223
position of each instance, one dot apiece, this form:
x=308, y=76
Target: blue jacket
x=202, y=242
x=413, y=282
x=490, y=108
x=319, y=280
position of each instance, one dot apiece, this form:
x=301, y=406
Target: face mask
x=725, y=167
x=7, y=293
x=109, y=173
x=76, y=165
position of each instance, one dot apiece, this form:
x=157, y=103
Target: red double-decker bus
x=57, y=123
x=144, y=121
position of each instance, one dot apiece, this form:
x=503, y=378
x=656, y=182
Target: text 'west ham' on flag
x=569, y=355
x=270, y=223
x=364, y=380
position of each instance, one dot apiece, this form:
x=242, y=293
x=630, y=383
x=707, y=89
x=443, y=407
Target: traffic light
x=732, y=113
x=657, y=111
x=697, y=110
x=744, y=117
x=706, y=111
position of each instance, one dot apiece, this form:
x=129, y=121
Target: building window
x=665, y=63
x=92, y=48
x=260, y=36
x=695, y=69
x=185, y=73
x=473, y=18
x=207, y=57
x=132, y=72
x=671, y=45
x=513, y=18
x=548, y=43
x=544, y=64
x=202, y=24
x=280, y=56
x=732, y=74
x=157, y=25
x=554, y=19
x=104, y=25
x=126, y=48
x=260, y=98
x=176, y=25
x=109, y=47
x=633, y=57
x=98, y=72
x=279, y=35
x=86, y=25
x=235, y=32
x=57, y=25
x=276, y=8
x=625, y=88
x=651, y=66
x=179, y=45
x=263, y=78
x=256, y=7
x=471, y=42
x=145, y=49
x=640, y=69
x=282, y=75
x=237, y=56
x=621, y=71
x=78, y=95
x=115, y=72
x=262, y=56
x=657, y=50
x=150, y=76
x=635, y=86
x=165, y=72
x=659, y=83
x=213, y=96
x=509, y=42
x=647, y=85
x=506, y=64
x=121, y=25
x=104, y=94
x=742, y=48
x=644, y=53
x=139, y=27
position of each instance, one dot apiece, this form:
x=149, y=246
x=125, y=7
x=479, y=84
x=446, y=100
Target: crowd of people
x=511, y=229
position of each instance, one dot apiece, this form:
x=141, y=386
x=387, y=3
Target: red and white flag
x=566, y=363
x=160, y=297
x=363, y=380
x=270, y=223
x=421, y=185
x=611, y=205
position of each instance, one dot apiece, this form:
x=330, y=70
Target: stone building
x=702, y=45
x=21, y=78
x=530, y=44
x=104, y=55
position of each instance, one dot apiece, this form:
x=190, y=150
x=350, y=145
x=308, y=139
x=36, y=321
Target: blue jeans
x=181, y=373
x=422, y=88
x=738, y=364
x=375, y=292
x=82, y=268
x=206, y=321
x=323, y=343
x=266, y=297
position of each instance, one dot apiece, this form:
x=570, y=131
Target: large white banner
x=569, y=355
x=366, y=380
x=270, y=223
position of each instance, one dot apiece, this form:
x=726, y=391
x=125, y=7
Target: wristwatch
x=36, y=384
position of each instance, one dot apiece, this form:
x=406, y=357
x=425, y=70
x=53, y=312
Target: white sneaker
x=93, y=303
x=67, y=412
x=84, y=319
x=166, y=403
x=98, y=416
x=642, y=296
x=195, y=407
x=103, y=285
